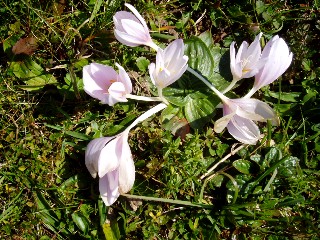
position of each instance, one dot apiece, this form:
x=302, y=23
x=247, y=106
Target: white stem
x=143, y=98
x=231, y=85
x=154, y=46
x=147, y=114
x=216, y=91
x=274, y=174
x=161, y=96
x=250, y=93
x=222, y=160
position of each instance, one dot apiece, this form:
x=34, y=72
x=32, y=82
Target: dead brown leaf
x=26, y=46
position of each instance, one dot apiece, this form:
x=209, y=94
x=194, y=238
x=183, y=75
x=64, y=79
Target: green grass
x=267, y=191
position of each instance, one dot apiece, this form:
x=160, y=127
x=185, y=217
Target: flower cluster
x=110, y=158
x=266, y=66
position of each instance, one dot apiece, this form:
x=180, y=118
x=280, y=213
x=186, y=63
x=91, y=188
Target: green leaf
x=108, y=232
x=199, y=55
x=221, y=62
x=271, y=169
x=173, y=120
x=199, y=109
x=81, y=221
x=32, y=74
x=289, y=167
x=243, y=166
x=221, y=76
x=206, y=37
x=260, y=6
x=95, y=9
x=102, y=211
x=285, y=96
x=78, y=135
x=142, y=64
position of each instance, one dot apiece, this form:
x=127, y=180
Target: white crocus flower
x=131, y=29
x=110, y=158
x=240, y=116
x=170, y=64
x=278, y=58
x=247, y=62
x=104, y=83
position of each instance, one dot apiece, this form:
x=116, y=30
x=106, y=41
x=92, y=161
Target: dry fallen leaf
x=25, y=46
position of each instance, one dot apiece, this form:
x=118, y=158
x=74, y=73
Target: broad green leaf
x=221, y=62
x=221, y=76
x=206, y=37
x=32, y=74
x=243, y=166
x=199, y=56
x=81, y=63
x=289, y=167
x=260, y=6
x=273, y=155
x=217, y=180
x=175, y=95
x=199, y=110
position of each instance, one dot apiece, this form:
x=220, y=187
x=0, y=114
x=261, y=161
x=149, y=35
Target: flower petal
x=124, y=78
x=244, y=130
x=97, y=79
x=127, y=39
x=137, y=14
x=279, y=59
x=109, y=188
x=170, y=64
x=221, y=123
x=92, y=154
x=117, y=93
x=109, y=158
x=126, y=168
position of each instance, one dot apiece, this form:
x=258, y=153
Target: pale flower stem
x=154, y=46
x=216, y=91
x=231, y=85
x=161, y=96
x=143, y=98
x=147, y=114
x=274, y=174
x=222, y=160
x=250, y=93
x=180, y=202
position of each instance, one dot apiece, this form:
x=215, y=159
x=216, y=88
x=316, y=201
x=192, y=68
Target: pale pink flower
x=240, y=116
x=111, y=159
x=131, y=29
x=247, y=62
x=278, y=58
x=170, y=64
x=104, y=83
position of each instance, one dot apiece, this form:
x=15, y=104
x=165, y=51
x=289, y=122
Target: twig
x=222, y=160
